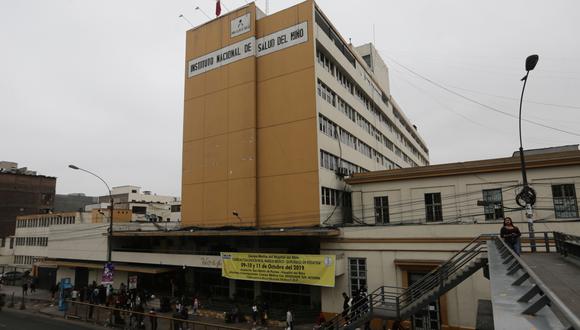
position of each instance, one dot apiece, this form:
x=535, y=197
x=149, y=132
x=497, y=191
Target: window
x=330, y=196
x=358, y=275
x=433, y=211
x=565, y=204
x=175, y=208
x=493, y=200
x=382, y=209
x=139, y=209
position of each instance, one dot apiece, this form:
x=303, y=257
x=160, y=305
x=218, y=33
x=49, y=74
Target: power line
x=516, y=99
x=478, y=102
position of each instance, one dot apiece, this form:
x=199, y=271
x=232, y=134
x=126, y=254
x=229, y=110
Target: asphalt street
x=16, y=320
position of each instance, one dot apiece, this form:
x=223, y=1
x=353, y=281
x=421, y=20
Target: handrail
x=555, y=301
x=396, y=299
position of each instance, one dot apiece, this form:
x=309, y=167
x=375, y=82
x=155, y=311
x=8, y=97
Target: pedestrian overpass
x=538, y=290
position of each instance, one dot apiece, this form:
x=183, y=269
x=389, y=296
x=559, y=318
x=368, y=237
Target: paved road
x=16, y=320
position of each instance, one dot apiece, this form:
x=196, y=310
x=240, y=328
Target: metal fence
x=130, y=319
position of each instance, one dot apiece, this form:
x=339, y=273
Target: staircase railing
x=397, y=300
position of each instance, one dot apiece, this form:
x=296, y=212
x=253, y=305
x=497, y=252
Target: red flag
x=218, y=8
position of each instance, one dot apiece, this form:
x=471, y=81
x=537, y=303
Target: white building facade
x=361, y=127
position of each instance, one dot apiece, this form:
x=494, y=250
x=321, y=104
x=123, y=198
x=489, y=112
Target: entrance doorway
x=81, y=277
x=429, y=317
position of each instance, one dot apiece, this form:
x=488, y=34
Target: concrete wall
x=81, y=241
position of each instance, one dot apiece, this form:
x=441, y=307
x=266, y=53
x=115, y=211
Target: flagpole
x=203, y=12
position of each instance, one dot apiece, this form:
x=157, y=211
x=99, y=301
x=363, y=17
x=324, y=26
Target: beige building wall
x=460, y=194
x=250, y=129
x=219, y=125
x=288, y=190
x=393, y=251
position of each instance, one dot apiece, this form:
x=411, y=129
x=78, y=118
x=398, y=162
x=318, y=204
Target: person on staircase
x=511, y=235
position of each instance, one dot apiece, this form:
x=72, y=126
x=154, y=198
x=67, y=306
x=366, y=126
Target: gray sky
x=100, y=83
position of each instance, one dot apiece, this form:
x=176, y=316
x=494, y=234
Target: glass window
x=382, y=209
x=433, y=210
x=493, y=200
x=358, y=275
x=565, y=204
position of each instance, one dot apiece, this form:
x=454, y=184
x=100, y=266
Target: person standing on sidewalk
x=25, y=288
x=289, y=320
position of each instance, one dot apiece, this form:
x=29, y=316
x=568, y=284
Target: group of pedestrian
x=355, y=306
x=260, y=313
x=28, y=283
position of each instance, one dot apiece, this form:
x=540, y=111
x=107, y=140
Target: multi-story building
x=22, y=192
x=144, y=206
x=278, y=109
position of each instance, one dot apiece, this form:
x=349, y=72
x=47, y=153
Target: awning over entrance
x=99, y=265
x=278, y=232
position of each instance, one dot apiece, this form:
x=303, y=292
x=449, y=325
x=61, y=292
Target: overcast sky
x=100, y=83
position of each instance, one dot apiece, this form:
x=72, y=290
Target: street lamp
x=110, y=231
x=527, y=196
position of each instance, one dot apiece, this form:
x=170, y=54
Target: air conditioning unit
x=342, y=172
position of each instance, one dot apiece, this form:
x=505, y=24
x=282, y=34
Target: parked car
x=11, y=276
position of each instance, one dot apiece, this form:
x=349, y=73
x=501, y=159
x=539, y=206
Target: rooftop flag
x=218, y=8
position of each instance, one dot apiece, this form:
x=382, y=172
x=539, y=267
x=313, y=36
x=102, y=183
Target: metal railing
x=567, y=245
x=131, y=319
x=548, y=297
x=401, y=302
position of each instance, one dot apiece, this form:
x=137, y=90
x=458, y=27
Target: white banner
x=288, y=37
x=226, y=55
x=274, y=42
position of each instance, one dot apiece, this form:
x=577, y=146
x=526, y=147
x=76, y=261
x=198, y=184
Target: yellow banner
x=311, y=269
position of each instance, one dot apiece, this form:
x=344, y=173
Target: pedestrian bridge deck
x=561, y=275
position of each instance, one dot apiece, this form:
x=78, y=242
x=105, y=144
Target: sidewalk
x=8, y=290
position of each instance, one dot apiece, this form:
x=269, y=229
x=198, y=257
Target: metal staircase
x=396, y=303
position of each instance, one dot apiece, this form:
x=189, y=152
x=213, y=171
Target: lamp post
x=527, y=196
x=110, y=231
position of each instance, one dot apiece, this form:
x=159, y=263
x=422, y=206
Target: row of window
x=330, y=96
x=44, y=221
x=31, y=241
x=563, y=196
x=335, y=197
x=25, y=260
x=333, y=163
x=344, y=79
x=334, y=131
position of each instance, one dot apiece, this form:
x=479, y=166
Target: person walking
x=32, y=285
x=153, y=319
x=289, y=320
x=511, y=235
x=346, y=304
x=255, y=313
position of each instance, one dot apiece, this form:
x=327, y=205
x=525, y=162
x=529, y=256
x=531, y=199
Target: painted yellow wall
x=249, y=141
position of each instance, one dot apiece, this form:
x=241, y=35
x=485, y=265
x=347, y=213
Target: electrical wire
x=483, y=105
